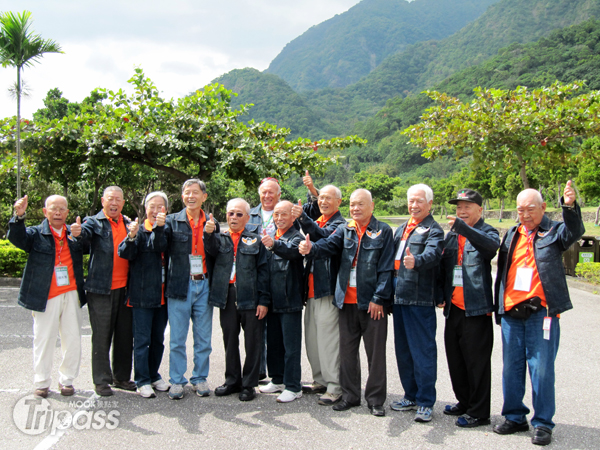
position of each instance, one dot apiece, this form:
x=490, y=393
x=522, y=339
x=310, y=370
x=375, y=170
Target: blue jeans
x=148, y=343
x=194, y=307
x=416, y=352
x=284, y=348
x=523, y=345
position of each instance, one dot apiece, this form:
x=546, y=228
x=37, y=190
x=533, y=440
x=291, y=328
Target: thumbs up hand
x=133, y=228
x=76, y=227
x=409, y=259
x=267, y=240
x=210, y=224
x=308, y=182
x=569, y=196
x=161, y=217
x=305, y=246
x=297, y=210
x=21, y=206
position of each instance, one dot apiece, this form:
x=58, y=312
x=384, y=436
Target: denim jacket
x=285, y=269
x=480, y=248
x=179, y=248
x=552, y=238
x=374, y=266
x=97, y=235
x=254, y=224
x=325, y=270
x=418, y=286
x=252, y=272
x=37, y=276
x=144, y=253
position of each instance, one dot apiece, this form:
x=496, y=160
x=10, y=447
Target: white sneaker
x=146, y=391
x=288, y=396
x=271, y=388
x=161, y=385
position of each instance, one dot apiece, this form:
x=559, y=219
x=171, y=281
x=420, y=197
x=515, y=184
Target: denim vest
x=374, y=266
x=480, y=248
x=552, y=238
x=285, y=269
x=144, y=287
x=418, y=286
x=37, y=276
x=325, y=270
x=252, y=272
x=179, y=248
x=97, y=235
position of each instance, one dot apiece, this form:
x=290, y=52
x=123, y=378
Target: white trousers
x=62, y=316
x=322, y=339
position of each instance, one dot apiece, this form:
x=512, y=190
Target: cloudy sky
x=180, y=44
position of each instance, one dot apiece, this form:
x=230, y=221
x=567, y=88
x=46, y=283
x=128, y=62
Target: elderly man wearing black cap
x=466, y=287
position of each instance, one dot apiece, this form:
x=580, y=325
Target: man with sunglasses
x=239, y=286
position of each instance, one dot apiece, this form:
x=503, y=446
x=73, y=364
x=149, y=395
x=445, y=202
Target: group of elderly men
x=278, y=258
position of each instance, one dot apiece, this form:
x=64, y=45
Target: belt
x=197, y=277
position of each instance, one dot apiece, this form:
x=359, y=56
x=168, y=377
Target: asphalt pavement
x=126, y=420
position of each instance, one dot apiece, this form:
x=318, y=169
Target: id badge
x=353, y=277
x=523, y=279
x=62, y=275
x=546, y=327
x=400, y=251
x=196, y=265
x=232, y=276
x=163, y=274
x=457, y=279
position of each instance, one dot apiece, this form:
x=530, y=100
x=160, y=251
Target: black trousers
x=354, y=325
x=469, y=342
x=232, y=320
x=112, y=326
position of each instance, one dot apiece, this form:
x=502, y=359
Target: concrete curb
x=10, y=282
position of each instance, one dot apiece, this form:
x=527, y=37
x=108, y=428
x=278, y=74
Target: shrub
x=589, y=271
x=12, y=260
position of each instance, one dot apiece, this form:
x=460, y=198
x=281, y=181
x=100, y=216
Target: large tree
x=20, y=47
x=511, y=130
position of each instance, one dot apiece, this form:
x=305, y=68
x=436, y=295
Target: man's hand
x=267, y=240
x=441, y=305
x=409, y=259
x=21, y=206
x=133, y=228
x=261, y=312
x=308, y=182
x=569, y=194
x=161, y=217
x=451, y=220
x=210, y=224
x=297, y=210
x=376, y=311
x=305, y=246
x=76, y=227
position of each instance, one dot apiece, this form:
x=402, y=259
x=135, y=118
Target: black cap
x=467, y=195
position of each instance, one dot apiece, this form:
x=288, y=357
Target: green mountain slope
x=343, y=49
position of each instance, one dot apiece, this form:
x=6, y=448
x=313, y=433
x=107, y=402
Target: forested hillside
x=345, y=48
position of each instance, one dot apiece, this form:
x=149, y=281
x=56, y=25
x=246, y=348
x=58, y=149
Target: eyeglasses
x=269, y=179
x=54, y=209
x=236, y=214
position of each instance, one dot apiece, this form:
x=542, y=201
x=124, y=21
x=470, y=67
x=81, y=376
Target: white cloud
x=180, y=44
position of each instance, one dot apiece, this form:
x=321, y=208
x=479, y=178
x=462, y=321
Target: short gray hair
x=366, y=191
x=273, y=180
x=338, y=193
x=240, y=200
x=112, y=188
x=533, y=192
x=160, y=194
x=421, y=187
x=194, y=181
x=52, y=197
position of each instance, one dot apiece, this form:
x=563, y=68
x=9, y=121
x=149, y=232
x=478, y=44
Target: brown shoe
x=41, y=392
x=67, y=391
x=103, y=390
x=125, y=385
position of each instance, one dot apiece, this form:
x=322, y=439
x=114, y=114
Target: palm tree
x=19, y=47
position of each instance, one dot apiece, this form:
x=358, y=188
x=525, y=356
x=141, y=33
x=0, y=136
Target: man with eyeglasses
x=106, y=285
x=52, y=288
x=239, y=287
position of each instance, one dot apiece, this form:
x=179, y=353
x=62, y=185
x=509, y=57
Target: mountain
x=345, y=48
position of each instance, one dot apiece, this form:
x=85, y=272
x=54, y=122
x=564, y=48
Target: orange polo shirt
x=458, y=297
x=410, y=226
x=62, y=258
x=197, y=236
x=523, y=257
x=235, y=238
x=350, y=297
x=321, y=221
x=120, y=265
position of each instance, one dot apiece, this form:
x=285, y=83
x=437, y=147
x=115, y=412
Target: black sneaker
x=466, y=421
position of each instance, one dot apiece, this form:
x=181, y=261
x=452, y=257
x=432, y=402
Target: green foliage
x=589, y=271
x=12, y=260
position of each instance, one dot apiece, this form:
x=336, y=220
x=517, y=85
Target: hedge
x=589, y=271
